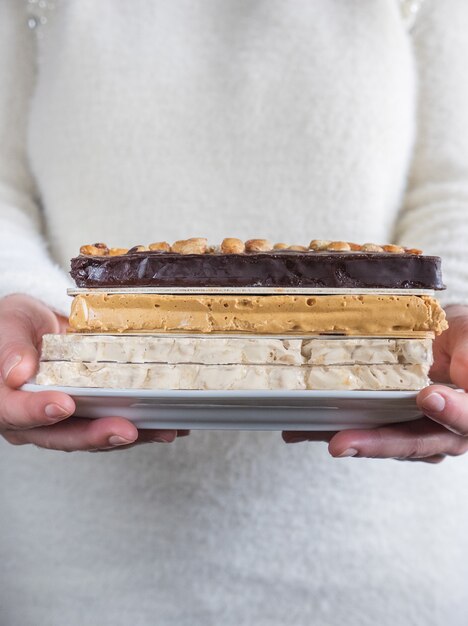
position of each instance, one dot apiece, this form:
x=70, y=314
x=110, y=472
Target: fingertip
x=126, y=428
x=19, y=366
x=348, y=443
x=163, y=436
x=338, y=444
x=44, y=408
x=448, y=407
x=106, y=427
x=65, y=401
x=431, y=389
x=335, y=449
x=433, y=399
x=58, y=406
x=170, y=436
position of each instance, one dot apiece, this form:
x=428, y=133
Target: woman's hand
x=444, y=432
x=43, y=418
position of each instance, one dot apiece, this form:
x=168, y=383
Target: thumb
x=23, y=321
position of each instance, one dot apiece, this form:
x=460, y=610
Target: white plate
x=244, y=410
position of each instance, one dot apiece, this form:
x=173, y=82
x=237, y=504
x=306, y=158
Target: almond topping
x=160, y=245
x=232, y=245
x=339, y=246
x=97, y=249
x=195, y=245
x=258, y=245
x=393, y=249
x=371, y=247
x=319, y=244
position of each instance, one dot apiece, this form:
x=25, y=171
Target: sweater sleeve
x=435, y=209
x=25, y=264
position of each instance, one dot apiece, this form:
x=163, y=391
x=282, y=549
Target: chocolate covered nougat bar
x=191, y=263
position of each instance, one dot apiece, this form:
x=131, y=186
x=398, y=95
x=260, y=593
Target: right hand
x=43, y=418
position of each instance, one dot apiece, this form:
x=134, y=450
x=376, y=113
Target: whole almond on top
x=160, y=245
x=413, y=251
x=393, y=249
x=371, y=247
x=355, y=247
x=96, y=249
x=280, y=246
x=195, y=245
x=319, y=244
x=258, y=245
x=339, y=246
x=298, y=248
x=231, y=245
x=117, y=251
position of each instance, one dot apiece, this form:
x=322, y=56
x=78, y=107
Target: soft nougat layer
x=348, y=315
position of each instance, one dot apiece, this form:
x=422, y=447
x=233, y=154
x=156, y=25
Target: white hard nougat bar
x=242, y=350
x=151, y=349
x=226, y=377
x=366, y=351
x=368, y=377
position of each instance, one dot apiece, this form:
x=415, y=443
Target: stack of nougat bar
x=331, y=316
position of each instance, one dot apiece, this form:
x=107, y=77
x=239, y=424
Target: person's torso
x=164, y=120
x=159, y=121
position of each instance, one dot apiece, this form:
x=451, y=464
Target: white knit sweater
x=131, y=122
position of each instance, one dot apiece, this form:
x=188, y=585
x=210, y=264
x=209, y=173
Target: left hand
x=444, y=430
x=43, y=418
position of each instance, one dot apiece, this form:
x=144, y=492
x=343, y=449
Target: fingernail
x=434, y=403
x=10, y=365
x=348, y=452
x=159, y=439
x=55, y=410
x=117, y=440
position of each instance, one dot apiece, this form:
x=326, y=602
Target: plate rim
x=228, y=393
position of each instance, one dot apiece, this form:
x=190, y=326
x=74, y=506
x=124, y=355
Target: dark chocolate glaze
x=269, y=269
